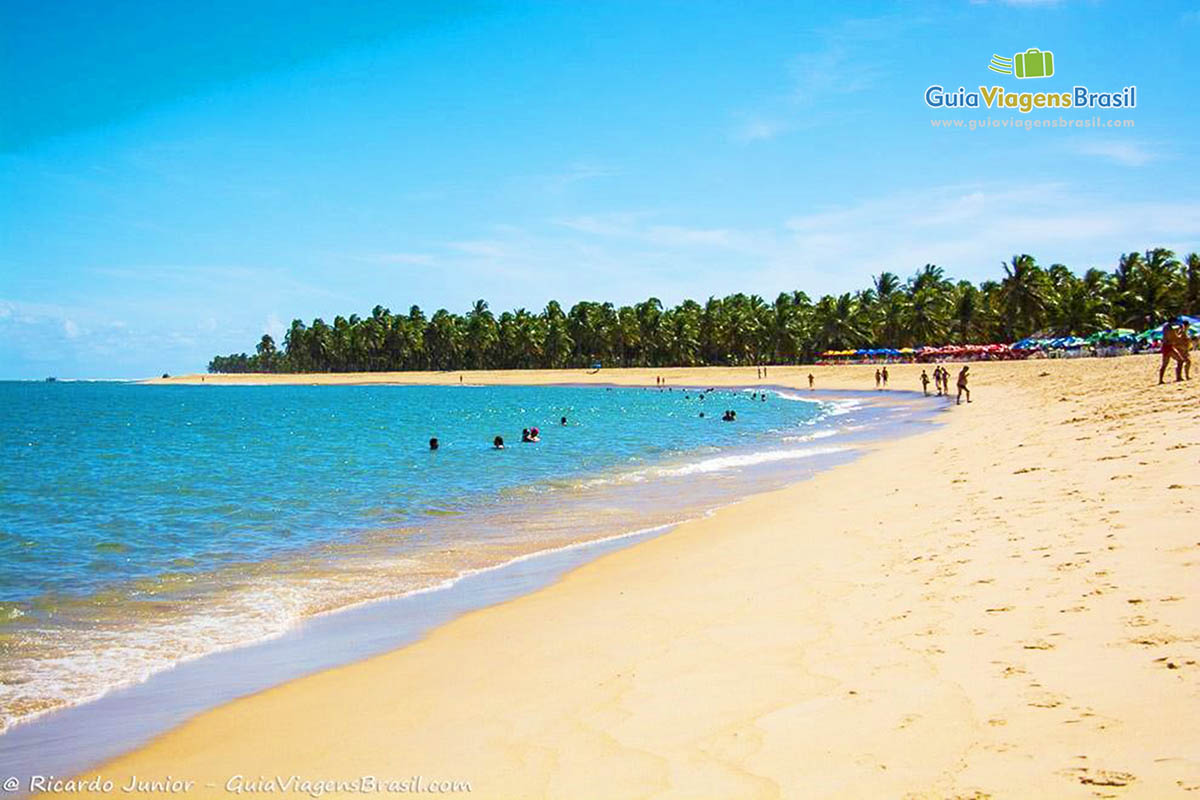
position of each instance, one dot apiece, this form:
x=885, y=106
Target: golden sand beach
x=1007, y=606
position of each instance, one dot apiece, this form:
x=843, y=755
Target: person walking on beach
x=810, y=381
x=885, y=377
x=1183, y=347
x=925, y=382
x=878, y=378
x=1168, y=352
x=962, y=384
x=939, y=377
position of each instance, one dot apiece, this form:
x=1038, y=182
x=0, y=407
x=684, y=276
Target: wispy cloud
x=393, y=259
x=757, y=129
x=968, y=229
x=1127, y=153
x=844, y=59
x=572, y=175
x=1019, y=3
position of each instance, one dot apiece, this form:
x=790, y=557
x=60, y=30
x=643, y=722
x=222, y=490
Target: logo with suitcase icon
x=1033, y=63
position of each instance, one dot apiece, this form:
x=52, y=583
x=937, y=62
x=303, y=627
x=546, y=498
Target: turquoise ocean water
x=145, y=525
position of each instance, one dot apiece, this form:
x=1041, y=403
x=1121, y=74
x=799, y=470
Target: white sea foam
x=721, y=463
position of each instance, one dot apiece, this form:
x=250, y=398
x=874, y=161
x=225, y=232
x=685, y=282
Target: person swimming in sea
x=535, y=435
x=524, y=434
x=433, y=443
x=498, y=443
x=563, y=421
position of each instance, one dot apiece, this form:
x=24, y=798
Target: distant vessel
x=52, y=379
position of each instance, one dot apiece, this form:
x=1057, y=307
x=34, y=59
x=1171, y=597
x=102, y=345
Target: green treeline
x=928, y=308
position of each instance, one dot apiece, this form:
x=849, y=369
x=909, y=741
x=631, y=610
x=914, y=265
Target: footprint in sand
x=1106, y=777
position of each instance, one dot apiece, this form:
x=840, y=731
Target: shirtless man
x=1168, y=352
x=962, y=384
x=925, y=382
x=810, y=381
x=878, y=378
x=885, y=377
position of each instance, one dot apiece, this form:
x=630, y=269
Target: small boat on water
x=52, y=379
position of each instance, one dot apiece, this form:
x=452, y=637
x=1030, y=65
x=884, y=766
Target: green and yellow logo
x=1033, y=63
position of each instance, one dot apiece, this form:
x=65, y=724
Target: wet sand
x=1007, y=606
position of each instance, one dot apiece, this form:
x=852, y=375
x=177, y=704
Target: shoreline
x=927, y=636
x=111, y=723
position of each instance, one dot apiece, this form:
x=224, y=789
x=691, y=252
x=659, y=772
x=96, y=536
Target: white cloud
x=396, y=259
x=757, y=129
x=968, y=229
x=1128, y=153
x=1020, y=3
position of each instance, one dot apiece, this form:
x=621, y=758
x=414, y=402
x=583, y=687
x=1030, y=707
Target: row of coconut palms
x=927, y=308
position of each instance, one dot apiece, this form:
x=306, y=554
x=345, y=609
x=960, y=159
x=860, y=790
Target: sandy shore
x=1008, y=606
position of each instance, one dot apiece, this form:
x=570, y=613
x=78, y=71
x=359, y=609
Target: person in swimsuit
x=1183, y=348
x=962, y=384
x=810, y=381
x=884, y=373
x=433, y=443
x=925, y=382
x=878, y=378
x=1168, y=350
x=498, y=443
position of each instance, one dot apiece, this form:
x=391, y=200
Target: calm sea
x=145, y=525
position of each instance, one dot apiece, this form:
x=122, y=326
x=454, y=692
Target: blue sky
x=178, y=178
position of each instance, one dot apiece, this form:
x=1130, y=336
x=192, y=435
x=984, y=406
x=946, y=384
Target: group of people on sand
x=1176, y=345
x=941, y=380
x=762, y=372
x=881, y=378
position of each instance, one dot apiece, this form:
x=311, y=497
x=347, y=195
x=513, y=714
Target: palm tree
x=838, y=323
x=1191, y=291
x=1023, y=296
x=481, y=335
x=1145, y=288
x=1154, y=288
